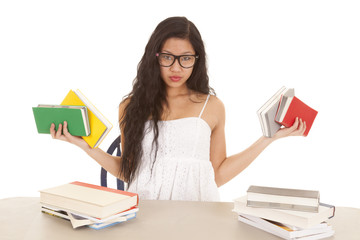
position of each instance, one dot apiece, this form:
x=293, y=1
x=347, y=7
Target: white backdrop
x=254, y=48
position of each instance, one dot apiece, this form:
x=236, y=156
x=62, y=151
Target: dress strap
x=202, y=110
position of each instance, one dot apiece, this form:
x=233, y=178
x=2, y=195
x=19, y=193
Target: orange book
x=292, y=107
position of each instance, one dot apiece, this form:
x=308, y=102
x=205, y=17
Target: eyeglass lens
x=186, y=61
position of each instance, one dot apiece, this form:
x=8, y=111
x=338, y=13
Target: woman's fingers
x=63, y=134
x=301, y=127
x=59, y=131
x=52, y=130
x=297, y=129
x=296, y=124
x=65, y=130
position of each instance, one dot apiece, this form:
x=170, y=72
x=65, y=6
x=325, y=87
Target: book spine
x=284, y=206
x=105, y=189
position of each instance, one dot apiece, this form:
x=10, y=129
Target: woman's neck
x=177, y=92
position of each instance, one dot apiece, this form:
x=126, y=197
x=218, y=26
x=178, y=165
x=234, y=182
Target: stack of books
x=282, y=109
x=89, y=205
x=83, y=118
x=286, y=213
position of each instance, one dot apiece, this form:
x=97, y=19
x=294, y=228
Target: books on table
x=99, y=125
x=282, y=109
x=87, y=204
x=79, y=220
x=287, y=213
x=283, y=198
x=295, y=218
x=285, y=231
x=76, y=116
x=88, y=199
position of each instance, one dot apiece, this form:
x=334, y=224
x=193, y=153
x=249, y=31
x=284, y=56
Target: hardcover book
x=267, y=112
x=88, y=199
x=291, y=107
x=294, y=218
x=283, y=198
x=78, y=220
x=285, y=231
x=76, y=117
x=99, y=125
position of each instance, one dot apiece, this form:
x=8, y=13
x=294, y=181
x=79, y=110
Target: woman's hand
x=297, y=129
x=63, y=134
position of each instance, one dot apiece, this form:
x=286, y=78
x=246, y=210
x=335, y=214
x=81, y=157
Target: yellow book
x=99, y=125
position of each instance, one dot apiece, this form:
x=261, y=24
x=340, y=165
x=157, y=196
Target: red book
x=292, y=107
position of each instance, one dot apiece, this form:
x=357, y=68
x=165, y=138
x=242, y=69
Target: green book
x=76, y=117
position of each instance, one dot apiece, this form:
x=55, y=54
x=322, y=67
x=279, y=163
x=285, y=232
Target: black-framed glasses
x=167, y=60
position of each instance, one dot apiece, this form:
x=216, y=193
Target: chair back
x=103, y=176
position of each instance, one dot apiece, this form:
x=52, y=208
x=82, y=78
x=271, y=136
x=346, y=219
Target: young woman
x=172, y=124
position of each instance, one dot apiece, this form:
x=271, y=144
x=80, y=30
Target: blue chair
x=103, y=176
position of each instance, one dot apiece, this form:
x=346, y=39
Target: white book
x=283, y=198
x=267, y=112
x=295, y=218
x=288, y=231
x=81, y=220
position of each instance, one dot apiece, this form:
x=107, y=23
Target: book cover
x=284, y=231
x=99, y=125
x=79, y=220
x=76, y=116
x=88, y=199
x=267, y=112
x=99, y=226
x=283, y=198
x=295, y=218
x=292, y=107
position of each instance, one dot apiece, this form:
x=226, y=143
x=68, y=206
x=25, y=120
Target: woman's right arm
x=108, y=162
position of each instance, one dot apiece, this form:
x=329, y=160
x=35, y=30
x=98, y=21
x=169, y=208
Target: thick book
x=320, y=231
x=79, y=220
x=283, y=198
x=295, y=218
x=267, y=112
x=76, y=117
x=88, y=199
x=99, y=125
x=291, y=107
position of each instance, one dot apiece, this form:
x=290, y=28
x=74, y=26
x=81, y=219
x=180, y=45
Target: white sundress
x=182, y=169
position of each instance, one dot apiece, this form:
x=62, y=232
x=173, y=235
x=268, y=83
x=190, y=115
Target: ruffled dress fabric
x=182, y=169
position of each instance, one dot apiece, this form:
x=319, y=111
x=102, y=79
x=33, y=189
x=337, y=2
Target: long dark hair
x=148, y=96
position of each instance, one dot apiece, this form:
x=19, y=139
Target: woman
x=172, y=124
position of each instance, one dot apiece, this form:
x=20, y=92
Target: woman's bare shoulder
x=214, y=112
x=216, y=104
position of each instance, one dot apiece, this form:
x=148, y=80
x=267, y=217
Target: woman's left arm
x=226, y=168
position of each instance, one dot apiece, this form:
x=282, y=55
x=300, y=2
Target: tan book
x=92, y=200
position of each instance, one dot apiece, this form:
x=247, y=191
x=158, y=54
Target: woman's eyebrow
x=183, y=53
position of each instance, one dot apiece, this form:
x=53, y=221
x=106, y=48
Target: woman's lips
x=175, y=78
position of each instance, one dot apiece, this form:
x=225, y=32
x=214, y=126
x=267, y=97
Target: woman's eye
x=186, y=58
x=167, y=57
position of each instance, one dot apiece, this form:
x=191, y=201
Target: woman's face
x=176, y=76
